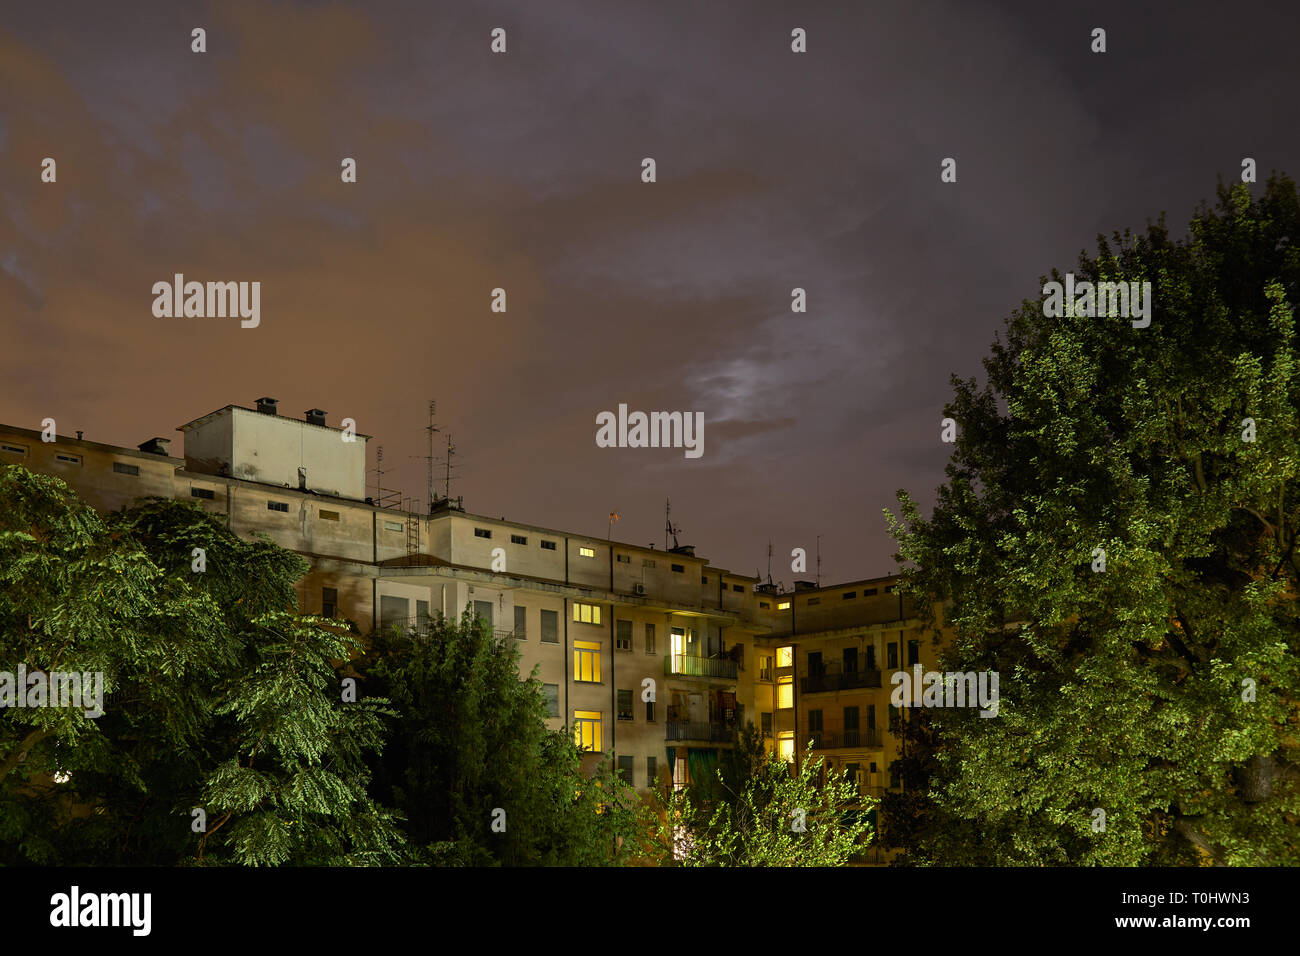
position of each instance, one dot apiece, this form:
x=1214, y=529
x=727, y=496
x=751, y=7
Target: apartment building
x=654, y=655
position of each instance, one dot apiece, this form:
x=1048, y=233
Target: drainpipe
x=567, y=659
x=613, y=687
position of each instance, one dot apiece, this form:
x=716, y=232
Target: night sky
x=523, y=171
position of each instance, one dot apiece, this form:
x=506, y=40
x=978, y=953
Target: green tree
x=1162, y=690
x=218, y=696
x=778, y=817
x=480, y=779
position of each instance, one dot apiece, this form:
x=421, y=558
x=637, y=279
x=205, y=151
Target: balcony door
x=677, y=648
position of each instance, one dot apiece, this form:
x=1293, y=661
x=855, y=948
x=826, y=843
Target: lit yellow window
x=785, y=691
x=783, y=606
x=586, y=661
x=586, y=613
x=586, y=730
x=587, y=552
x=785, y=657
x=785, y=745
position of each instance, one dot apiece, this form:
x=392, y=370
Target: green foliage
x=774, y=816
x=217, y=695
x=471, y=738
x=1123, y=690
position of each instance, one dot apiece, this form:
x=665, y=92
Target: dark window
x=850, y=660
x=482, y=533
x=483, y=611
x=650, y=711
x=651, y=771
x=890, y=589
x=329, y=601
x=764, y=605
x=521, y=622
x=122, y=469
x=552, y=694
x=850, y=718
x=276, y=506
x=623, y=558
x=548, y=545
x=625, y=769
x=813, y=601
x=550, y=627
x=868, y=592
x=518, y=539
x=871, y=657
x=893, y=655
x=625, y=705
x=679, y=568
x=765, y=724
x=704, y=579
x=738, y=588
x=649, y=638
x=201, y=493
x=850, y=595
x=815, y=721
x=815, y=664
x=871, y=719
x=913, y=653
x=623, y=637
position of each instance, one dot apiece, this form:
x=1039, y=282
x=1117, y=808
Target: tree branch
x=19, y=755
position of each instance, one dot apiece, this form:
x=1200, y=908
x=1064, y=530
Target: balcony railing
x=423, y=625
x=688, y=666
x=825, y=740
x=713, y=731
x=832, y=679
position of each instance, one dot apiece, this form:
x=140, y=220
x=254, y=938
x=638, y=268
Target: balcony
x=826, y=740
x=684, y=665
x=423, y=626
x=832, y=678
x=715, y=732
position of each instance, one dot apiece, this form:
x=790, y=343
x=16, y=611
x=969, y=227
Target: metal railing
x=832, y=680
x=826, y=740
x=687, y=666
x=712, y=731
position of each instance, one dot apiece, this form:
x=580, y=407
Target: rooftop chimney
x=315, y=416
x=267, y=405
x=805, y=585
x=155, y=446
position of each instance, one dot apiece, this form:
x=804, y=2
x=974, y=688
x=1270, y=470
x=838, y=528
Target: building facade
x=654, y=656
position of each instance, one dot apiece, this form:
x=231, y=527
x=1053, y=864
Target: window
x=647, y=562
x=765, y=723
x=785, y=745
x=765, y=667
x=548, y=545
x=704, y=579
x=587, y=552
x=551, y=694
x=625, y=769
x=550, y=627
x=815, y=668
x=518, y=539
x=586, y=661
x=14, y=449
x=68, y=459
x=785, y=657
x=649, y=638
x=586, y=613
x=764, y=605
x=623, y=558
x=679, y=568
x=393, y=526
x=482, y=533
x=521, y=623
x=329, y=602
x=421, y=610
x=623, y=637
x=815, y=721
x=868, y=592
x=651, y=771
x=871, y=719
x=586, y=729
x=201, y=493
x=483, y=611
x=650, y=711
x=891, y=589
x=849, y=595
x=276, y=506
x=850, y=657
x=785, y=692
x=913, y=653
x=624, y=705
x=893, y=656
x=329, y=515
x=783, y=606
x=814, y=601
x=738, y=588
x=124, y=469
x=850, y=718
